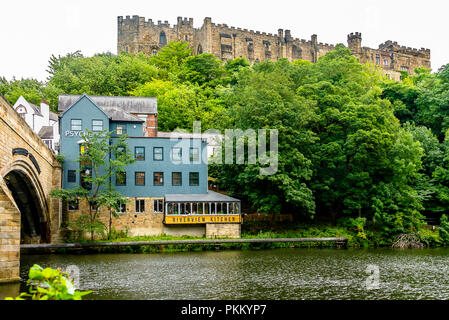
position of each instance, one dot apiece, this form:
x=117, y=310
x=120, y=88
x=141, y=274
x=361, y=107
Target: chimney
x=45, y=110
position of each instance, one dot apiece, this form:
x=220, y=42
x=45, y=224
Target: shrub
x=50, y=284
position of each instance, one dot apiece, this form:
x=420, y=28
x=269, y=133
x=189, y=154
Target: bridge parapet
x=28, y=172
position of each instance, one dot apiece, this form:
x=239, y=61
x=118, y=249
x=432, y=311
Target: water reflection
x=268, y=274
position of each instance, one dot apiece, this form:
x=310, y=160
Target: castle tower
x=355, y=42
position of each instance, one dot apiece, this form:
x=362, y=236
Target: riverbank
x=204, y=244
x=255, y=236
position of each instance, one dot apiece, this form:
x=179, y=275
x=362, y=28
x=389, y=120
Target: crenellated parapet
x=136, y=34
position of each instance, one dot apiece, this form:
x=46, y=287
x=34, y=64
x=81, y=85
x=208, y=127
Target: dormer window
x=21, y=110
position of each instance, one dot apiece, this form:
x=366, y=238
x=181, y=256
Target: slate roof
x=210, y=196
x=116, y=114
x=137, y=105
x=36, y=109
x=46, y=132
x=53, y=116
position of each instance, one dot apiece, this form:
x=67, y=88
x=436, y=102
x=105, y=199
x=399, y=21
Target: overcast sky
x=30, y=31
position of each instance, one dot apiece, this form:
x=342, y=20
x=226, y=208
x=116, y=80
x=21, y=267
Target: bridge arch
x=24, y=187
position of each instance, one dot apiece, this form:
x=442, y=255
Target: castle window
x=162, y=38
x=200, y=49
x=386, y=62
x=377, y=59
x=404, y=68
x=296, y=53
x=186, y=37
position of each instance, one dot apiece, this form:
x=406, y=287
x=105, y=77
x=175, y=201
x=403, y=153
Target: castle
x=135, y=34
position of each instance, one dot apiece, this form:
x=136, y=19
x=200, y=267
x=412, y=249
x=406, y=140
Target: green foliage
x=351, y=143
x=30, y=89
x=77, y=228
x=444, y=229
x=50, y=284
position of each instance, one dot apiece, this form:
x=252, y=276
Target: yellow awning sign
x=203, y=219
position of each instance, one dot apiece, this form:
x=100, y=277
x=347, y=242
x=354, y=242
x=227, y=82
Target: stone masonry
x=42, y=173
x=135, y=34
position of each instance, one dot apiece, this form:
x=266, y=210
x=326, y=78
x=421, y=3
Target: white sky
x=30, y=31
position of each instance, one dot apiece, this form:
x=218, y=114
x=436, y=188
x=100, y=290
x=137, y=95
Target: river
x=266, y=274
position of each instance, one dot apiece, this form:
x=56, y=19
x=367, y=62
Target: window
x=49, y=143
x=176, y=178
x=154, y=53
x=194, y=154
x=194, y=179
x=377, y=59
x=93, y=207
x=158, y=206
x=71, y=176
x=140, y=206
x=186, y=37
x=158, y=153
x=140, y=178
x=122, y=208
x=404, y=68
x=176, y=154
x=85, y=183
x=120, y=129
x=120, y=179
x=73, y=205
x=162, y=38
x=97, y=125
x=139, y=153
x=76, y=125
x=386, y=62
x=158, y=179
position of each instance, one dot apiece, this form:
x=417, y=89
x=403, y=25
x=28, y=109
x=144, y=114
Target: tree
x=203, y=70
x=102, y=74
x=172, y=56
x=99, y=161
x=30, y=89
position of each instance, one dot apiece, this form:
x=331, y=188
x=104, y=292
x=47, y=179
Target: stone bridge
x=28, y=172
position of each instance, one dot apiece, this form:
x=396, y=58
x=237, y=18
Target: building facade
x=136, y=34
x=167, y=185
x=41, y=120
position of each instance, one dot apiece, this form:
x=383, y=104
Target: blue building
x=168, y=182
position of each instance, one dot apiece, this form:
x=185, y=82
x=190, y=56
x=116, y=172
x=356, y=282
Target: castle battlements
x=136, y=34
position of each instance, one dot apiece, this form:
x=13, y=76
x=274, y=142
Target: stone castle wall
x=135, y=34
